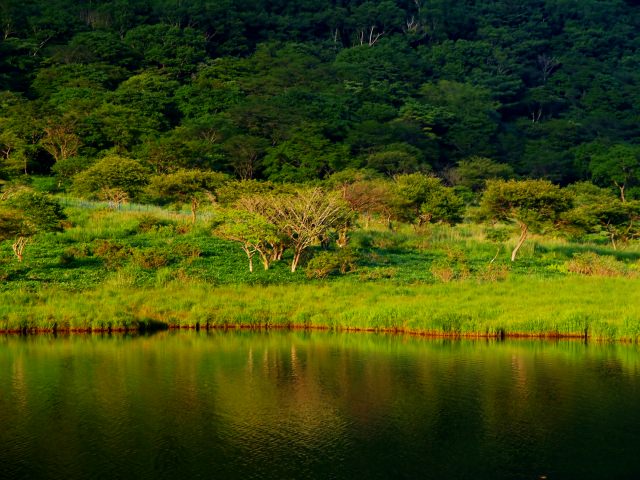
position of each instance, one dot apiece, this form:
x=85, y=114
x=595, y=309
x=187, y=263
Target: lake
x=278, y=405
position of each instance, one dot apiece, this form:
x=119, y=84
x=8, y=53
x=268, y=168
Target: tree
x=61, y=142
x=23, y=213
x=112, y=172
x=596, y=210
x=466, y=112
x=532, y=204
x=473, y=172
x=442, y=205
x=185, y=186
x=252, y=231
x=424, y=199
x=303, y=157
x=308, y=215
x=364, y=191
x=245, y=152
x=619, y=165
x=397, y=158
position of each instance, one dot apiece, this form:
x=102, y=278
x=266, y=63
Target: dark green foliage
x=296, y=91
x=473, y=172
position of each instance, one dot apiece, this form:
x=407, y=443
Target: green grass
x=144, y=266
x=602, y=308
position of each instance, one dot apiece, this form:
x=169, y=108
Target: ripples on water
x=316, y=405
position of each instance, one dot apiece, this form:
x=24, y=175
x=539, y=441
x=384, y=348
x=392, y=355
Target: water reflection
x=316, y=405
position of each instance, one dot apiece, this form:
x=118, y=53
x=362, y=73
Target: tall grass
x=599, y=308
x=137, y=267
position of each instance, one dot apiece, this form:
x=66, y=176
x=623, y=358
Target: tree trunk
x=621, y=188
x=265, y=260
x=496, y=255
x=524, y=230
x=343, y=238
x=18, y=247
x=194, y=208
x=296, y=260
x=277, y=249
x=249, y=256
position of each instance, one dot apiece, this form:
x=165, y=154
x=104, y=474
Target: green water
x=316, y=405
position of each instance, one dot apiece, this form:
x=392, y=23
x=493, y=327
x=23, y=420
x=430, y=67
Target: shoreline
x=592, y=309
x=260, y=328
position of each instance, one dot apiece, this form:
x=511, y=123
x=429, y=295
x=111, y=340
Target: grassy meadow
x=147, y=267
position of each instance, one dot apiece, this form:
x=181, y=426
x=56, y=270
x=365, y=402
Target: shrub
x=72, y=253
x=149, y=223
x=151, y=258
x=443, y=273
x=590, y=263
x=113, y=254
x=187, y=251
x=494, y=273
x=378, y=273
x=326, y=263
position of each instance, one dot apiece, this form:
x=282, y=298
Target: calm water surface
x=316, y=405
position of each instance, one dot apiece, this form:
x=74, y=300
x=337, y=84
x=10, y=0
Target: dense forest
x=296, y=91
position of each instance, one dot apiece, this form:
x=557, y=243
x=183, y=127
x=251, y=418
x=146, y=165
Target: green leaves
x=535, y=203
x=112, y=172
x=423, y=199
x=25, y=213
x=620, y=165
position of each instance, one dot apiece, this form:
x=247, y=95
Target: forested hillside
x=296, y=90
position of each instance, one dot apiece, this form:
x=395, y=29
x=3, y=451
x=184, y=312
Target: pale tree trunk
x=524, y=230
x=18, y=247
x=249, y=256
x=367, y=220
x=296, y=259
x=343, y=238
x=277, y=249
x=621, y=188
x=265, y=260
x=194, y=208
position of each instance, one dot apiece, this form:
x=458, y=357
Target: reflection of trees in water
x=309, y=397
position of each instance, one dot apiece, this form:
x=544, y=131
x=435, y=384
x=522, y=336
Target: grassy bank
x=147, y=267
x=601, y=308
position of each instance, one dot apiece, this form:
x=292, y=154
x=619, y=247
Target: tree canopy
x=300, y=90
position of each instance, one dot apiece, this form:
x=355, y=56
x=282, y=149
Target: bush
x=326, y=263
x=443, y=273
x=72, y=253
x=113, y=254
x=590, y=263
x=151, y=258
x=187, y=251
x=150, y=223
x=378, y=273
x=494, y=273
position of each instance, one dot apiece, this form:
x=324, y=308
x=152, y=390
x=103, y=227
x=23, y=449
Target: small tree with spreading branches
x=532, y=204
